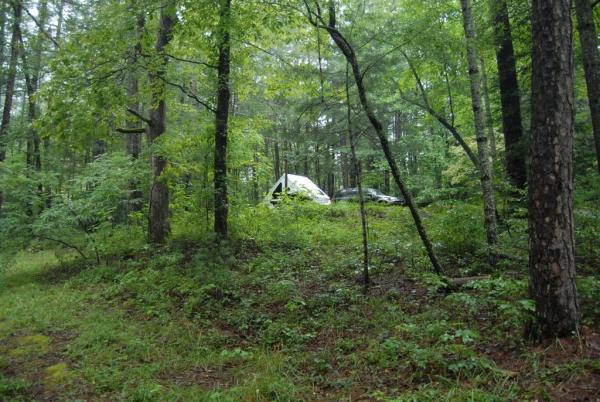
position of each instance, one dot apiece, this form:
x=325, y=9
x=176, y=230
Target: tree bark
x=221, y=121
x=32, y=77
x=10, y=82
x=489, y=204
x=3, y=13
x=489, y=118
x=361, y=197
x=591, y=64
x=277, y=164
x=345, y=168
x=350, y=55
x=59, y=23
x=551, y=245
x=158, y=221
x=133, y=142
x=510, y=96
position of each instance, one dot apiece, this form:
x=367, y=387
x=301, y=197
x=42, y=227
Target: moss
x=30, y=345
x=56, y=374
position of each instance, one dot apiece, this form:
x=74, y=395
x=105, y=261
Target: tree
x=133, y=140
x=361, y=196
x=10, y=81
x=489, y=204
x=3, y=13
x=158, y=220
x=221, y=119
x=591, y=64
x=510, y=95
x=316, y=18
x=551, y=243
x=489, y=118
x=32, y=74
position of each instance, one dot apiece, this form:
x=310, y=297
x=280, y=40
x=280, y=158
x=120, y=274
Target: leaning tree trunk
x=510, y=96
x=489, y=204
x=10, y=82
x=551, y=245
x=348, y=52
x=591, y=64
x=158, y=221
x=221, y=121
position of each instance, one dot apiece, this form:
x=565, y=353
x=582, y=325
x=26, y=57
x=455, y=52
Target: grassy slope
x=278, y=315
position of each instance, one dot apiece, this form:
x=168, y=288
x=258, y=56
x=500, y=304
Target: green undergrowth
x=278, y=314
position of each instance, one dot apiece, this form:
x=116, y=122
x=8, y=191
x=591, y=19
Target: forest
x=299, y=200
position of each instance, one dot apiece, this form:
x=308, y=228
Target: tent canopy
x=297, y=185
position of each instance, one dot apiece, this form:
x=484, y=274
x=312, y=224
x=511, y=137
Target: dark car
x=370, y=195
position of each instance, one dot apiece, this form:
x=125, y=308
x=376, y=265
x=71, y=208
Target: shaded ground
x=280, y=315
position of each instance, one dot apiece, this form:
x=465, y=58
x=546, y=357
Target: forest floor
x=279, y=315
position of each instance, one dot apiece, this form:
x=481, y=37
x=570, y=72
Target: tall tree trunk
x=32, y=76
x=510, y=96
x=489, y=117
x=277, y=164
x=591, y=64
x=350, y=56
x=133, y=140
x=60, y=20
x=551, y=245
x=318, y=166
x=255, y=193
x=10, y=82
x=386, y=181
x=361, y=196
x=344, y=162
x=159, y=225
x=221, y=121
x=489, y=204
x=3, y=13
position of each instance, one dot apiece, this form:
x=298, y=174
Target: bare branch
x=64, y=243
x=187, y=93
x=139, y=116
x=201, y=63
x=137, y=130
x=41, y=28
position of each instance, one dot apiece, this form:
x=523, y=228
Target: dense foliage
x=116, y=284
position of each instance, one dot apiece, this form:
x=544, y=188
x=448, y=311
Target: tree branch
x=188, y=94
x=64, y=243
x=201, y=63
x=41, y=28
x=138, y=130
x=441, y=119
x=139, y=116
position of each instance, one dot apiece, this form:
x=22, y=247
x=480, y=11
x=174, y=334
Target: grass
x=278, y=315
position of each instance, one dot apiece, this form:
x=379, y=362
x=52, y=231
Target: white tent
x=297, y=186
